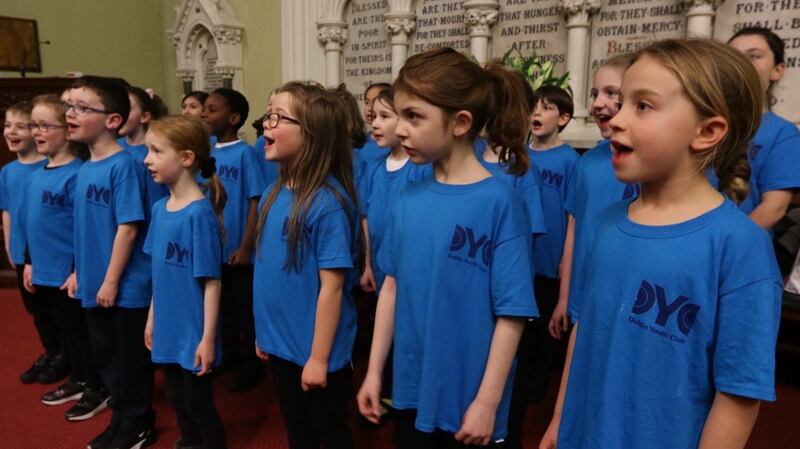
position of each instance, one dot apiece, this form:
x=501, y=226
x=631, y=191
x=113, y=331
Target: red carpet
x=252, y=419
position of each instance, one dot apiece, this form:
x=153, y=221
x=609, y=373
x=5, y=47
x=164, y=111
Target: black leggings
x=191, y=397
x=42, y=315
x=237, y=326
x=315, y=416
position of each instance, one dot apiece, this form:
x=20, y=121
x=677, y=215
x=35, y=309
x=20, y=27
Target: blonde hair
x=54, y=102
x=719, y=81
x=190, y=134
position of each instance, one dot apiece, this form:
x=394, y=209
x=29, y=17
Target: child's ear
x=710, y=133
x=234, y=119
x=187, y=158
x=563, y=120
x=462, y=123
x=114, y=121
x=146, y=117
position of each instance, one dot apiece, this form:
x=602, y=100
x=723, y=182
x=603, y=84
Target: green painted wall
x=127, y=38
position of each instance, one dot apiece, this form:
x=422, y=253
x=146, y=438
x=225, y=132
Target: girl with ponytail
x=184, y=241
x=456, y=253
x=680, y=300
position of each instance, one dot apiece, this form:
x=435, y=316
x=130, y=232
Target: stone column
x=187, y=78
x=332, y=34
x=480, y=16
x=700, y=17
x=226, y=73
x=399, y=26
x=577, y=14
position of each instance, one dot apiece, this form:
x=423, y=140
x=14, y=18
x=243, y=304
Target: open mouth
x=602, y=120
x=13, y=141
x=536, y=124
x=268, y=141
x=620, y=148
x=40, y=141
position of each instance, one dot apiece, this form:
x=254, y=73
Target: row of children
x=448, y=242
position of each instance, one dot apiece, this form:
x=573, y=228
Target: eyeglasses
x=83, y=110
x=44, y=127
x=271, y=120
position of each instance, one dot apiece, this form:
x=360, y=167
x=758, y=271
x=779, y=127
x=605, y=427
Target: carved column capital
x=332, y=33
x=225, y=72
x=226, y=35
x=185, y=74
x=689, y=4
x=579, y=10
x=480, y=16
x=397, y=23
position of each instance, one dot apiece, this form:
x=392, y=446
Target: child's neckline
x=676, y=229
x=185, y=206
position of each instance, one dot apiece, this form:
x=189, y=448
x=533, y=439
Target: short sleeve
x=386, y=252
x=253, y=182
x=744, y=358
x=781, y=166
x=69, y=190
x=128, y=196
x=511, y=280
x=147, y=246
x=206, y=248
x=3, y=192
x=332, y=239
x=364, y=190
x=570, y=204
x=531, y=192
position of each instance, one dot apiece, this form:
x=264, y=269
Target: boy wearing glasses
x=112, y=273
x=14, y=177
x=225, y=111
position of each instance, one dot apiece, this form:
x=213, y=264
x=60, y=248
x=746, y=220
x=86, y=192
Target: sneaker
x=139, y=440
x=91, y=403
x=68, y=391
x=31, y=375
x=104, y=439
x=57, y=368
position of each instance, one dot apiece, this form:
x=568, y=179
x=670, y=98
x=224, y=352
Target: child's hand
x=70, y=285
x=107, y=294
x=477, y=425
x=368, y=283
x=148, y=334
x=204, y=356
x=369, y=398
x=315, y=375
x=559, y=322
x=241, y=256
x=550, y=437
x=261, y=354
x=27, y=278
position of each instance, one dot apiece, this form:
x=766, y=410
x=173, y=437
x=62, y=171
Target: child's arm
x=242, y=256
x=204, y=356
x=559, y=322
x=120, y=254
x=478, y=422
x=7, y=236
x=729, y=422
x=369, y=395
x=368, y=283
x=148, y=329
x=27, y=278
x=329, y=309
x=772, y=208
x=550, y=437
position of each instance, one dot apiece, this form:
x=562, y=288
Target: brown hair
x=54, y=102
x=495, y=97
x=326, y=151
x=386, y=96
x=22, y=107
x=722, y=82
x=355, y=123
x=189, y=134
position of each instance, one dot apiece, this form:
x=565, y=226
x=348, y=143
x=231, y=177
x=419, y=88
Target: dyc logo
x=177, y=255
x=552, y=178
x=465, y=237
x=52, y=199
x=631, y=191
x=227, y=172
x=650, y=295
x=98, y=195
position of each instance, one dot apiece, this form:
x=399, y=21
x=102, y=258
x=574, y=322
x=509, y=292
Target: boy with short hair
x=225, y=111
x=14, y=177
x=112, y=274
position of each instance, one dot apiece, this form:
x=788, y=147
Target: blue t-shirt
x=529, y=186
x=285, y=300
x=186, y=248
x=774, y=157
x=48, y=223
x=153, y=190
x=108, y=193
x=461, y=256
x=269, y=169
x=14, y=179
x=379, y=190
x=365, y=155
x=241, y=177
x=593, y=187
x=556, y=167
x=671, y=315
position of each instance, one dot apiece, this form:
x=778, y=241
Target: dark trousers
x=534, y=359
x=315, y=416
x=43, y=320
x=237, y=326
x=71, y=321
x=191, y=397
x=406, y=436
x=123, y=362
